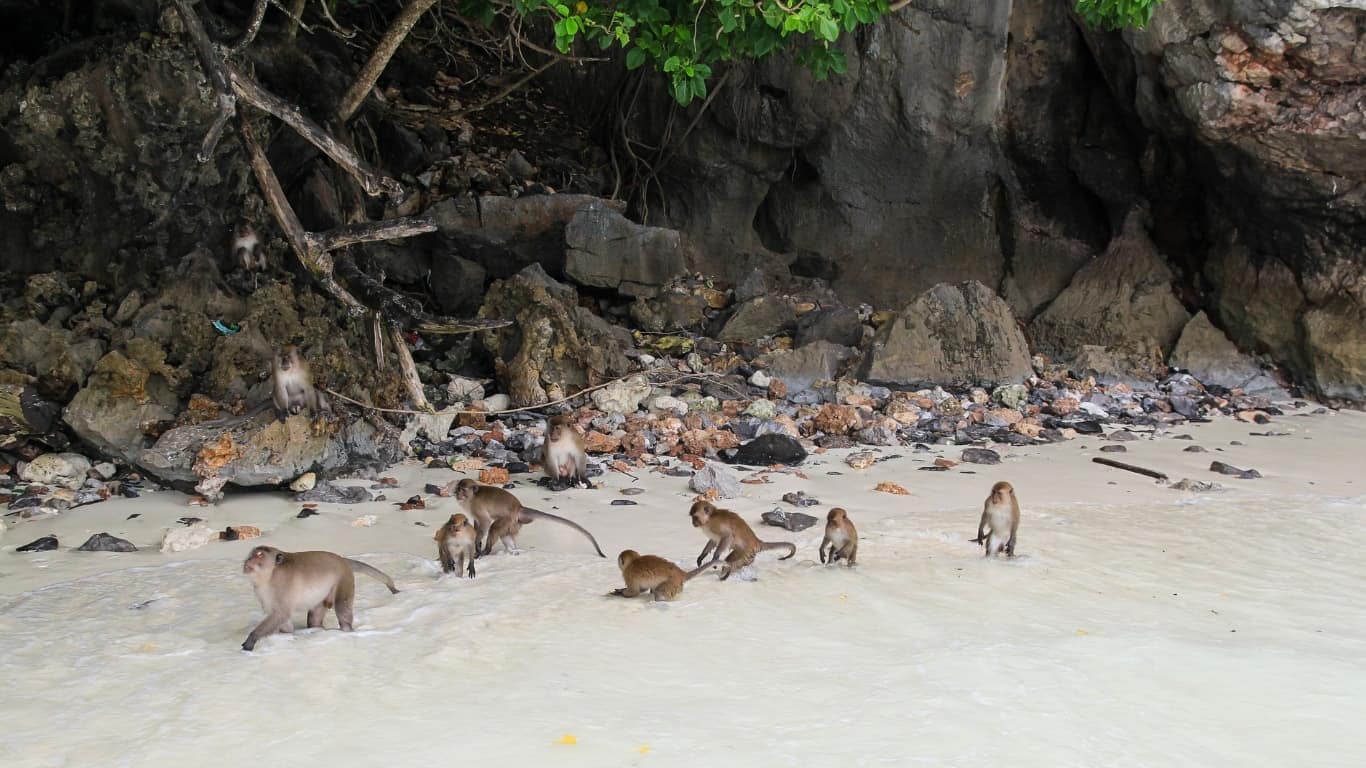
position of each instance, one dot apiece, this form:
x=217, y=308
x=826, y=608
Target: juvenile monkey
x=292, y=384
x=562, y=455
x=499, y=516
x=728, y=532
x=840, y=537
x=456, y=540
x=288, y=582
x=1001, y=511
x=246, y=247
x=648, y=573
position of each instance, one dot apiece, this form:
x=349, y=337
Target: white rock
x=62, y=469
x=712, y=476
x=762, y=409
x=622, y=396
x=669, y=404
x=462, y=390
x=185, y=539
x=433, y=426
x=106, y=470
x=1093, y=409
x=760, y=379
x=495, y=403
x=646, y=360
x=304, y=482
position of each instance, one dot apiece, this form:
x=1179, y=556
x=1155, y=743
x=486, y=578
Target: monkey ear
x=279, y=557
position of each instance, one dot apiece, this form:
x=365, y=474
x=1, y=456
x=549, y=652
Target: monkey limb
x=841, y=538
x=729, y=536
x=499, y=516
x=288, y=582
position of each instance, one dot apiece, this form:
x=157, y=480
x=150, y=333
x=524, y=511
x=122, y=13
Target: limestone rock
x=1213, y=359
x=505, y=235
x=961, y=334
x=67, y=470
x=756, y=318
x=837, y=325
x=713, y=477
x=120, y=397
x=607, y=250
x=1123, y=296
x=799, y=368
x=433, y=426
x=622, y=396
x=669, y=311
x=185, y=538
x=555, y=347
x=304, y=482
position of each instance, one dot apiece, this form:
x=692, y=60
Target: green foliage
x=1116, y=14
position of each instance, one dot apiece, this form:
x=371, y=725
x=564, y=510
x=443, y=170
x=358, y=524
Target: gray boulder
x=67, y=470
x=837, y=325
x=1213, y=359
x=799, y=368
x=954, y=334
x=608, y=250
x=120, y=398
x=756, y=318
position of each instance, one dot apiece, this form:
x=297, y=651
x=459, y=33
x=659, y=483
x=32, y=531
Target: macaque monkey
x=288, y=582
x=292, y=384
x=499, y=516
x=456, y=540
x=1000, y=512
x=562, y=455
x=840, y=538
x=728, y=532
x=246, y=248
x=648, y=573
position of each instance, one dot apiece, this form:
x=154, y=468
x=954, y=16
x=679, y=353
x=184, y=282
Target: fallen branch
x=1131, y=468
x=393, y=229
x=379, y=59
x=258, y=14
x=212, y=64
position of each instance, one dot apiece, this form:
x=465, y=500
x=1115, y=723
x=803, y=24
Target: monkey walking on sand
x=288, y=582
x=841, y=538
x=499, y=516
x=728, y=532
x=1000, y=521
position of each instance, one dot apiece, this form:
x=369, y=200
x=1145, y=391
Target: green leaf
x=561, y=9
x=571, y=26
x=634, y=58
x=682, y=92
x=827, y=29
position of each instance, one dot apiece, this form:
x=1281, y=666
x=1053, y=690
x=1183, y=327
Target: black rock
x=1192, y=449
x=1186, y=406
x=980, y=456
x=135, y=514
x=800, y=499
x=1121, y=436
x=1183, y=437
x=769, y=449
x=933, y=468
x=678, y=472
x=103, y=542
x=24, y=502
x=623, y=503
x=306, y=513
x=190, y=520
x=330, y=493
x=39, y=545
x=632, y=491
x=1087, y=427
x=1232, y=471
x=431, y=488
x=519, y=467
x=792, y=521
x=1113, y=449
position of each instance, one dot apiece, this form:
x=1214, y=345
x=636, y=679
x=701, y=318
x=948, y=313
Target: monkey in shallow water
x=840, y=538
x=455, y=541
x=562, y=455
x=292, y=385
x=728, y=532
x=1000, y=513
x=499, y=516
x=288, y=582
x=648, y=573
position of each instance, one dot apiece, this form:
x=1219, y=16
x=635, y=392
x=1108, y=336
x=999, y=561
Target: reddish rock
x=892, y=488
x=597, y=442
x=1064, y=405
x=493, y=476
x=837, y=419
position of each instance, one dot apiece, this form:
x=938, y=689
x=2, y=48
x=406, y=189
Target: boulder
x=432, y=426
x=608, y=250
x=504, y=235
x=188, y=537
x=623, y=396
x=756, y=318
x=119, y=400
x=67, y=470
x=959, y=334
x=1135, y=363
x=554, y=346
x=457, y=282
x=799, y=368
x=23, y=411
x=1212, y=358
x=1123, y=296
x=837, y=325
x=669, y=311
x=719, y=479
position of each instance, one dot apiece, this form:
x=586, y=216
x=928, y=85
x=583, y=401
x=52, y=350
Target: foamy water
x=1138, y=627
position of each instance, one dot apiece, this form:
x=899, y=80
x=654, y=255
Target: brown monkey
x=292, y=384
x=456, y=540
x=840, y=537
x=1000, y=511
x=287, y=582
x=728, y=532
x=499, y=516
x=562, y=455
x=648, y=573
x=246, y=248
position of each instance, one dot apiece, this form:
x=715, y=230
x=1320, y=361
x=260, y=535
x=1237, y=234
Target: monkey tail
x=791, y=548
x=536, y=513
x=375, y=573
x=703, y=568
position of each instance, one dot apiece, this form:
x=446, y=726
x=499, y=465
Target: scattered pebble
x=1187, y=484
x=494, y=476
x=861, y=460
x=800, y=499
x=103, y=542
x=623, y=503
x=792, y=521
x=714, y=478
x=1232, y=471
x=632, y=491
x=892, y=488
x=236, y=532
x=39, y=545
x=306, y=513
x=980, y=456
x=1113, y=449
x=304, y=482
x=1192, y=449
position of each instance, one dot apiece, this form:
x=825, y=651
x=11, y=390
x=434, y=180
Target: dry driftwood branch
x=379, y=58
x=296, y=15
x=1130, y=468
x=372, y=181
x=393, y=229
x=408, y=369
x=212, y=64
x=258, y=14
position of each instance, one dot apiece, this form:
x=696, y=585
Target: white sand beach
x=1138, y=626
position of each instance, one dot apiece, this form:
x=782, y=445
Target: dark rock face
x=1212, y=358
x=953, y=334
x=608, y=250
x=554, y=346
x=801, y=367
x=505, y=235
x=758, y=317
x=103, y=542
x=837, y=325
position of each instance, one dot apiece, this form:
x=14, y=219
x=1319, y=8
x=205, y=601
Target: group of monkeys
x=289, y=582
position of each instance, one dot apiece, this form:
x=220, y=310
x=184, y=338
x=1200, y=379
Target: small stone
x=1187, y=484
x=67, y=470
x=493, y=403
x=103, y=542
x=622, y=396
x=1253, y=417
x=669, y=404
x=1113, y=449
x=304, y=482
x=1121, y=436
x=306, y=513
x=1232, y=471
x=800, y=499
x=364, y=521
x=791, y=521
x=494, y=476
x=1193, y=449
x=104, y=470
x=759, y=379
x=945, y=463
x=876, y=435
x=632, y=491
x=623, y=503
x=43, y=544
x=980, y=456
x=762, y=409
x=892, y=488
x=185, y=539
x=861, y=460
x=235, y=532
x=712, y=477
x=1011, y=395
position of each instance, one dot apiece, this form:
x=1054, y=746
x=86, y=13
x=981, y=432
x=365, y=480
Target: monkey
x=999, y=511
x=648, y=573
x=286, y=582
x=456, y=540
x=246, y=247
x=292, y=384
x=562, y=455
x=499, y=516
x=840, y=537
x=728, y=532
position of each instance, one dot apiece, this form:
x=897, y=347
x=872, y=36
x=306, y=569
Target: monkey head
x=836, y=515
x=465, y=490
x=262, y=560
x=287, y=357
x=1001, y=493
x=701, y=513
x=626, y=557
